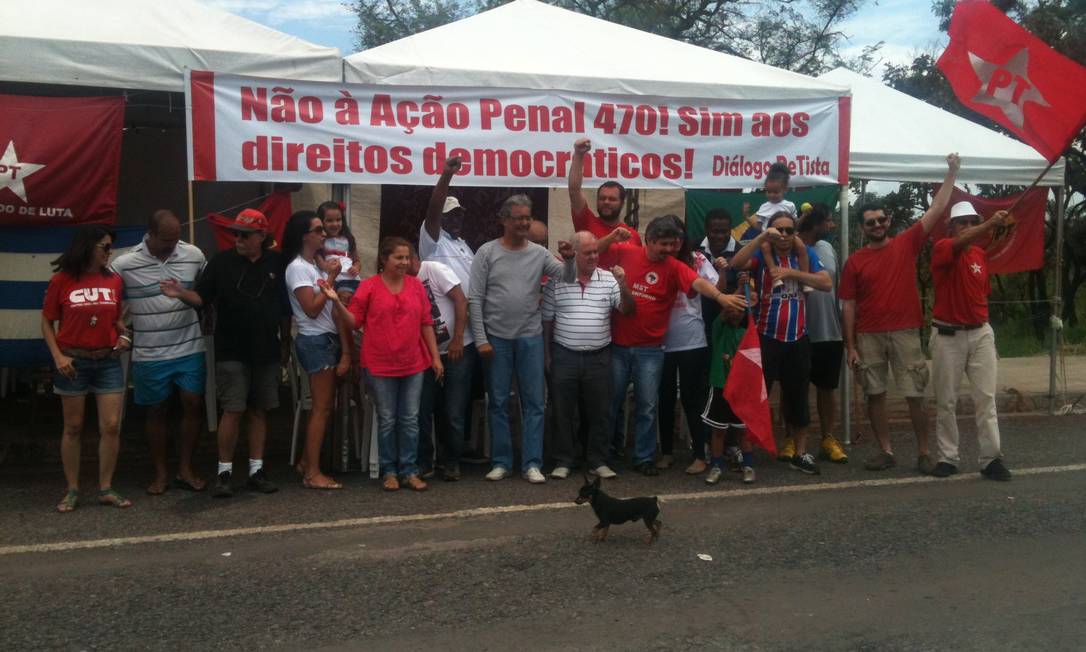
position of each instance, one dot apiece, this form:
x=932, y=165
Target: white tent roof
x=529, y=44
x=897, y=137
x=146, y=44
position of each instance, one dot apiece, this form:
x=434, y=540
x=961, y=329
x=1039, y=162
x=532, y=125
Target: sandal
x=331, y=484
x=391, y=483
x=69, y=502
x=416, y=483
x=111, y=497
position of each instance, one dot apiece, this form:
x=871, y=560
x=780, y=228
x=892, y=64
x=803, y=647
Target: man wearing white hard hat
x=962, y=341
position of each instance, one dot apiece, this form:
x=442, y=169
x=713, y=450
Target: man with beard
x=882, y=317
x=609, y=199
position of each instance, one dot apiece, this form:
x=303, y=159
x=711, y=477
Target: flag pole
x=1031, y=186
x=192, y=222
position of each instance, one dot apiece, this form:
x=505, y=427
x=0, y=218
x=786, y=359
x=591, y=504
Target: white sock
x=225, y=467
x=255, y=465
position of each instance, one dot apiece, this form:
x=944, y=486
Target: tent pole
x=1057, y=307
x=192, y=222
x=846, y=373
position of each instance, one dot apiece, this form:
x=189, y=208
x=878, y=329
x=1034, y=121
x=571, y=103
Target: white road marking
x=64, y=546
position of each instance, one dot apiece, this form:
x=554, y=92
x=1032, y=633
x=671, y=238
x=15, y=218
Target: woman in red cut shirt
x=398, y=345
x=85, y=299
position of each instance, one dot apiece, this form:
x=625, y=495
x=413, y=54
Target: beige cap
x=963, y=209
x=451, y=204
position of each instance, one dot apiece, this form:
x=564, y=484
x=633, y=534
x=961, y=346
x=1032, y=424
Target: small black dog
x=614, y=511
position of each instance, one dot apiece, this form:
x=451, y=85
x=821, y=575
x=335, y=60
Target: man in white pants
x=962, y=341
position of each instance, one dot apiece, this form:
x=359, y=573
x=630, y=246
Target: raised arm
x=437, y=198
x=973, y=233
x=575, y=179
x=741, y=259
x=942, y=198
x=616, y=236
x=626, y=303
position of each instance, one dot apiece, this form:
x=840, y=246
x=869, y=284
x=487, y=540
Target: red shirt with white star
x=654, y=285
x=961, y=283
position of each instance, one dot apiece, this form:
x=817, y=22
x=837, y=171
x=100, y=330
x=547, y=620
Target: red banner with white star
x=1000, y=70
x=59, y=159
x=1018, y=245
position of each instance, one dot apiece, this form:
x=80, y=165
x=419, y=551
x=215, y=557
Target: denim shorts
x=154, y=380
x=103, y=376
x=317, y=352
x=349, y=284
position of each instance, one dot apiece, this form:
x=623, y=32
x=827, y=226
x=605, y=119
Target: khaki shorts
x=241, y=386
x=899, y=350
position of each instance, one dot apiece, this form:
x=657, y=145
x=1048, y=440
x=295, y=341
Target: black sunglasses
x=881, y=221
x=786, y=230
x=970, y=221
x=317, y=229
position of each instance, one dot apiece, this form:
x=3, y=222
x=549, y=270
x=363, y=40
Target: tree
x=799, y=35
x=1061, y=24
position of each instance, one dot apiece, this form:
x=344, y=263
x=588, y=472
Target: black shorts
x=826, y=360
x=790, y=364
x=717, y=413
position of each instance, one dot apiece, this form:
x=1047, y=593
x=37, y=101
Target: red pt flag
x=1000, y=70
x=1019, y=245
x=59, y=159
x=745, y=390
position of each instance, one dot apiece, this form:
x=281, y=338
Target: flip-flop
x=69, y=502
x=114, y=499
x=182, y=483
x=330, y=486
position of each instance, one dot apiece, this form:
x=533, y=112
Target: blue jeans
x=524, y=356
x=449, y=403
x=397, y=423
x=644, y=365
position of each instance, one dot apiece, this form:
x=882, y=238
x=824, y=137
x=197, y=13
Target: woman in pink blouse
x=398, y=345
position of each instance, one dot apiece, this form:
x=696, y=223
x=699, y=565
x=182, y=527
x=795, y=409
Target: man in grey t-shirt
x=824, y=330
x=503, y=304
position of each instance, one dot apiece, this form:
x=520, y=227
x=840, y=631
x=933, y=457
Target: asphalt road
x=850, y=560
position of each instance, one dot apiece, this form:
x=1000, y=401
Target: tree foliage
x=800, y=35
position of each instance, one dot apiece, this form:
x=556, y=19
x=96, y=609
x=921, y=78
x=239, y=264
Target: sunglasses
x=968, y=221
x=317, y=229
x=786, y=230
x=881, y=221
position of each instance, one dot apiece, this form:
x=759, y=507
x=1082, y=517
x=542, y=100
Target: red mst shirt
x=654, y=286
x=961, y=284
x=87, y=309
x=586, y=220
x=883, y=284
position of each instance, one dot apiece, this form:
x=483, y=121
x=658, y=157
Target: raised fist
x=582, y=146
x=619, y=273
x=452, y=164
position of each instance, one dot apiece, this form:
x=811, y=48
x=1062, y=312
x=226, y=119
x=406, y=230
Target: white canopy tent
x=147, y=45
x=529, y=44
x=897, y=137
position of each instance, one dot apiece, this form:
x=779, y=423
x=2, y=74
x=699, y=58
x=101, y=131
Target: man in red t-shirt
x=962, y=341
x=655, y=277
x=881, y=315
x=609, y=200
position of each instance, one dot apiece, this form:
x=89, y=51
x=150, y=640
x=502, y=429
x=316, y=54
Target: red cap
x=249, y=220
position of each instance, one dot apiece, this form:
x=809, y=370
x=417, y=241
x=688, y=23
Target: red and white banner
x=59, y=159
x=256, y=129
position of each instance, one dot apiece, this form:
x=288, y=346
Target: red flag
x=276, y=207
x=59, y=159
x=745, y=390
x=1019, y=246
x=1002, y=71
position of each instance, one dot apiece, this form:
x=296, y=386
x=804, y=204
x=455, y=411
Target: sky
x=906, y=26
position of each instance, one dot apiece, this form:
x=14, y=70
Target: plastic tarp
x=529, y=44
x=147, y=44
x=897, y=137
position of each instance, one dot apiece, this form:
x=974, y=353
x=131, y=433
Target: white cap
x=451, y=203
x=963, y=209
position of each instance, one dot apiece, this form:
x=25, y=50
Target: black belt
x=958, y=327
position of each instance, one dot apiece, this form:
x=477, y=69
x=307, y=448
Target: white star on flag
x=975, y=267
x=1010, y=98
x=755, y=356
x=12, y=172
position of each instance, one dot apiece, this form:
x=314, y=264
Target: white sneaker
x=534, y=476
x=748, y=475
x=715, y=474
x=560, y=472
x=604, y=472
x=497, y=473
